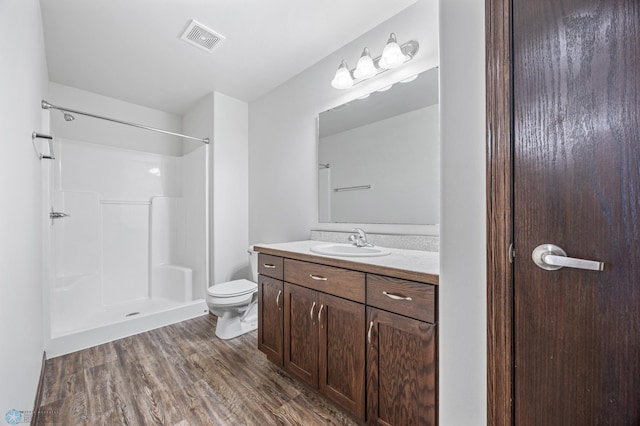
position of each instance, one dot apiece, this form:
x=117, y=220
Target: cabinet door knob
x=311, y=312
x=369, y=332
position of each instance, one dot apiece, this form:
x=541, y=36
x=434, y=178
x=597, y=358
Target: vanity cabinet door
x=270, y=323
x=401, y=370
x=301, y=333
x=342, y=352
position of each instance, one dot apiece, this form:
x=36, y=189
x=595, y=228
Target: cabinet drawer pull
x=318, y=277
x=269, y=265
x=320, y=315
x=396, y=297
x=278, y=299
x=311, y=312
x=369, y=332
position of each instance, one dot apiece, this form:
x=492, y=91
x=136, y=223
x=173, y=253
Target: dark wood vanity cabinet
x=401, y=370
x=401, y=352
x=270, y=307
x=324, y=333
x=301, y=333
x=323, y=345
x=342, y=357
x=367, y=342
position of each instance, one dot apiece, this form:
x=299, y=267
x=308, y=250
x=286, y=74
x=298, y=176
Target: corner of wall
x=230, y=171
x=462, y=290
x=198, y=120
x=23, y=83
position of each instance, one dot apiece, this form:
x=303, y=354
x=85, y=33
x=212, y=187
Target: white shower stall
x=127, y=241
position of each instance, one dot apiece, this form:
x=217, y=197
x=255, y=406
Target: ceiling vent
x=201, y=37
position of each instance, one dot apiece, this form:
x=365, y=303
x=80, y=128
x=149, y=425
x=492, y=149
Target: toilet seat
x=232, y=289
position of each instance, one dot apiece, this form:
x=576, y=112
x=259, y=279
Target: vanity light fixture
x=393, y=55
x=343, y=78
x=365, y=67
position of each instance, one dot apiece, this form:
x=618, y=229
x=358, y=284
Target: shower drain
x=132, y=314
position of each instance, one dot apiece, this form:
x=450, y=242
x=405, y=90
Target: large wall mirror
x=379, y=157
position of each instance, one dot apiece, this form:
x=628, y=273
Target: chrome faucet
x=359, y=239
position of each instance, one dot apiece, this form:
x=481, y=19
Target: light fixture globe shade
x=392, y=55
x=342, y=79
x=365, y=67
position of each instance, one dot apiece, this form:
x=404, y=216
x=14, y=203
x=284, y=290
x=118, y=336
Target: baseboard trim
x=38, y=399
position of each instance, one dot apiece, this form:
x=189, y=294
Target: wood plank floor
x=178, y=375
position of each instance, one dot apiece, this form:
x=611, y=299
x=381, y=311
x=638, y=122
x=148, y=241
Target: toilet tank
x=253, y=264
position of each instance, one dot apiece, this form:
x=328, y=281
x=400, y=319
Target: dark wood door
x=301, y=333
x=401, y=370
x=576, y=185
x=342, y=352
x=270, y=302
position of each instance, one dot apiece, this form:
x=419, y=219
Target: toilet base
x=232, y=324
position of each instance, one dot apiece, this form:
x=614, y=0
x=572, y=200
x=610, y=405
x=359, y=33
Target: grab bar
x=49, y=138
x=352, y=188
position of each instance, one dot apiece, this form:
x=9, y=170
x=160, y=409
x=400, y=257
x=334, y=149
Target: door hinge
x=512, y=253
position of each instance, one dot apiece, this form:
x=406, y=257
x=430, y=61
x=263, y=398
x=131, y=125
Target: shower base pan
x=122, y=321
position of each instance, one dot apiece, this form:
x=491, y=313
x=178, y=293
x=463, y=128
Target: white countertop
x=423, y=262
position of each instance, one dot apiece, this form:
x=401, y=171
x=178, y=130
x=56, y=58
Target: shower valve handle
x=56, y=215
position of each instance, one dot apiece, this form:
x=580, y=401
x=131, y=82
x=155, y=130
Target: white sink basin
x=349, y=250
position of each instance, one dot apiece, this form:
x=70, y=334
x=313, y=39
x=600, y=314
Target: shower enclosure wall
x=128, y=251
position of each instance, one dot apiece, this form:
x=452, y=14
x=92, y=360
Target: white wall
x=230, y=219
x=199, y=121
x=463, y=241
x=399, y=157
x=195, y=199
x=23, y=83
x=283, y=179
x=104, y=132
x=225, y=121
x=282, y=130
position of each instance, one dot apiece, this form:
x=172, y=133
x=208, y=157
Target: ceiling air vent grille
x=201, y=37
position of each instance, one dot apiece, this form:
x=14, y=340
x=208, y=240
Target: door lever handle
x=551, y=258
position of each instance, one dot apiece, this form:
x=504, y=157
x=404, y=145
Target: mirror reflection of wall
x=379, y=157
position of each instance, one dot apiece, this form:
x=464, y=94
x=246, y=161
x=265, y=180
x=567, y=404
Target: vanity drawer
x=271, y=266
x=327, y=279
x=408, y=298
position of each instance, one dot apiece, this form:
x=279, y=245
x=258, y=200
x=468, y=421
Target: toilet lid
x=232, y=288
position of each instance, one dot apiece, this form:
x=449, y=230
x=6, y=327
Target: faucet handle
x=360, y=240
x=360, y=232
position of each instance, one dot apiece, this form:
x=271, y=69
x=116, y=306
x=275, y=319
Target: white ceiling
x=131, y=50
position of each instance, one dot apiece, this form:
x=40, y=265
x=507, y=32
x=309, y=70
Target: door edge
x=499, y=128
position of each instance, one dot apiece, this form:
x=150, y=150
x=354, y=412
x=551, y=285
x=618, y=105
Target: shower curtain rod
x=47, y=105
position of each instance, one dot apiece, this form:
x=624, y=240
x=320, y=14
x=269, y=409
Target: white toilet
x=235, y=303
